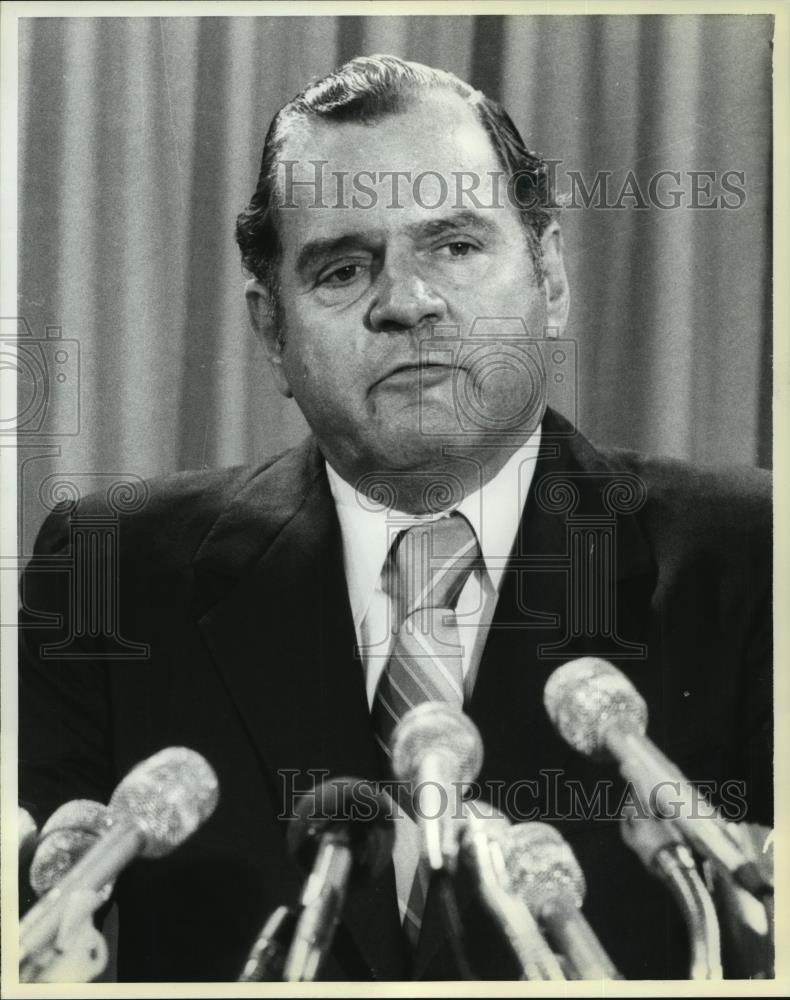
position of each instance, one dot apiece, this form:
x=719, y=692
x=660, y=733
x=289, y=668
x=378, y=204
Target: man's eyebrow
x=452, y=223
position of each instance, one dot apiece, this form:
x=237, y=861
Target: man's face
x=363, y=286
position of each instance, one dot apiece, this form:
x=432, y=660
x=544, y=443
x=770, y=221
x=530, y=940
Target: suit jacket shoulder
x=701, y=512
x=177, y=511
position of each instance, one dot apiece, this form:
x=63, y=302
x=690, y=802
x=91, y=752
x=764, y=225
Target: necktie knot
x=430, y=563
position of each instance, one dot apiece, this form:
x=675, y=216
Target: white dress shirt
x=368, y=531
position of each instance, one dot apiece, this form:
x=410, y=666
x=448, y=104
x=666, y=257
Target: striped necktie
x=426, y=572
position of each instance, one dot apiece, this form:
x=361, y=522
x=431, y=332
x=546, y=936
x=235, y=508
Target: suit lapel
x=279, y=628
x=531, y=616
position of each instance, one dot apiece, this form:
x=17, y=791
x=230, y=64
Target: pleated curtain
x=139, y=142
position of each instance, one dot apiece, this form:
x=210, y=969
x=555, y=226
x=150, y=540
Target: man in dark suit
x=400, y=321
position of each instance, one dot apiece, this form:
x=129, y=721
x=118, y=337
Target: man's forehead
x=433, y=159
x=436, y=131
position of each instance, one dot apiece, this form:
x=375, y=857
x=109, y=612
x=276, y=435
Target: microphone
x=437, y=749
x=27, y=832
x=267, y=957
x=160, y=803
x=342, y=836
x=662, y=850
x=66, y=836
x=484, y=832
x=599, y=712
x=546, y=873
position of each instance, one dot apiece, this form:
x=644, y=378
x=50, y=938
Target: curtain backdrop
x=140, y=140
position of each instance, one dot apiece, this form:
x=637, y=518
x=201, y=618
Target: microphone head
x=351, y=811
x=542, y=867
x=27, y=831
x=585, y=697
x=78, y=814
x=436, y=727
x=167, y=797
x=68, y=833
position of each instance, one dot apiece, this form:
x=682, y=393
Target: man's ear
x=555, y=281
x=262, y=316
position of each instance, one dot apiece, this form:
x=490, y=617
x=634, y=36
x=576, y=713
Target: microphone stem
x=267, y=957
x=322, y=902
x=667, y=793
x=115, y=849
x=574, y=938
x=434, y=806
x=698, y=911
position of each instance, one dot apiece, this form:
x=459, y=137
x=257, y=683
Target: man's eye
x=340, y=275
x=459, y=248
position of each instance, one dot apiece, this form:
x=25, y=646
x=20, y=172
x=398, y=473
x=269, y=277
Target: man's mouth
x=416, y=373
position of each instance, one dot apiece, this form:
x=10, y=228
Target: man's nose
x=404, y=300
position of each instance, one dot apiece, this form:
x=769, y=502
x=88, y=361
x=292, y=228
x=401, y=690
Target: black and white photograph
x=389, y=429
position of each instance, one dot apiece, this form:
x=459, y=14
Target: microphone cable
x=443, y=885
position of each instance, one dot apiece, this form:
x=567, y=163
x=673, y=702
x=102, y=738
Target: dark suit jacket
x=235, y=581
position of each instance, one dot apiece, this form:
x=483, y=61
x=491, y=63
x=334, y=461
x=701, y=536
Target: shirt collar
x=368, y=529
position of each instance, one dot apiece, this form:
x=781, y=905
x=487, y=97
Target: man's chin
x=421, y=427
x=415, y=475
x=414, y=452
